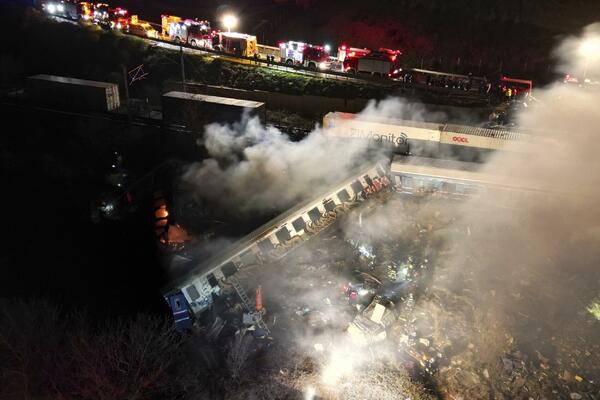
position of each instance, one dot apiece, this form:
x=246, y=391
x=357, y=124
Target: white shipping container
x=72, y=93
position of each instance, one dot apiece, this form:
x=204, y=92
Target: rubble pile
x=426, y=313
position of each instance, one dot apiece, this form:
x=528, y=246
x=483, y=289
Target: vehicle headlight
x=322, y=65
x=60, y=8
x=51, y=8
x=119, y=26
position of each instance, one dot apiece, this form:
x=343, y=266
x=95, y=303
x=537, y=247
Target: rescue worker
x=509, y=93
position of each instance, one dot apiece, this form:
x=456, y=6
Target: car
x=143, y=29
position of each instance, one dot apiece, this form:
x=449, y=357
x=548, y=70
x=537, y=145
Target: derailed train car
x=426, y=138
x=458, y=179
x=195, y=293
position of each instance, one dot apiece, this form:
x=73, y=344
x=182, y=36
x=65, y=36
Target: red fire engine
x=119, y=19
x=351, y=52
x=381, y=63
x=191, y=31
x=111, y=18
x=307, y=55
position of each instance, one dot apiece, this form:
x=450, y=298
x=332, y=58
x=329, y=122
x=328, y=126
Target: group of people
x=270, y=58
x=511, y=92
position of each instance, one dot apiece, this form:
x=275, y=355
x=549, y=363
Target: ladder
x=247, y=304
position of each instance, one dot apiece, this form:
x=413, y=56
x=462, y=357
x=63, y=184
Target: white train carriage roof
x=459, y=171
x=513, y=134
x=484, y=132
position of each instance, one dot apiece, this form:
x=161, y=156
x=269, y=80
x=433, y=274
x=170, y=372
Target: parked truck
x=190, y=31
x=239, y=44
x=71, y=93
x=61, y=8
x=382, y=63
x=306, y=55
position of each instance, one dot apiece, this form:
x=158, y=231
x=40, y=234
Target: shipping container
x=196, y=110
x=71, y=93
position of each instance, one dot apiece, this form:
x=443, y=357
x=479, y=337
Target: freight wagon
x=196, y=110
x=71, y=93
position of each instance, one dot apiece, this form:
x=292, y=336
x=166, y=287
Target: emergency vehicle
x=306, y=55
x=118, y=18
x=66, y=9
x=382, y=63
x=141, y=28
x=351, y=52
x=190, y=31
x=165, y=22
x=86, y=11
x=239, y=44
x=101, y=14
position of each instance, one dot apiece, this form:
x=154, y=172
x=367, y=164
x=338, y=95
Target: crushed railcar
x=197, y=291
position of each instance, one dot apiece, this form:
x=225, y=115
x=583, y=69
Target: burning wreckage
x=197, y=292
x=381, y=290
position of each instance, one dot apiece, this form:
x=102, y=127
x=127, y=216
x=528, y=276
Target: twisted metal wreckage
x=195, y=293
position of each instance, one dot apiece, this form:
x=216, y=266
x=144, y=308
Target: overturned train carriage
x=427, y=138
x=458, y=179
x=195, y=293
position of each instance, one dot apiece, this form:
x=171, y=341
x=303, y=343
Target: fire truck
x=118, y=18
x=306, y=55
x=190, y=31
x=111, y=18
x=381, y=63
x=65, y=8
x=351, y=52
x=235, y=43
x=101, y=14
x=86, y=11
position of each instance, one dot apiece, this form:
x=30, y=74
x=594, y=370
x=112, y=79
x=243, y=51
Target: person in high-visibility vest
x=259, y=299
x=508, y=93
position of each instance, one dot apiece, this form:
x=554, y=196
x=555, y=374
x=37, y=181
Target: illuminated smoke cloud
x=257, y=168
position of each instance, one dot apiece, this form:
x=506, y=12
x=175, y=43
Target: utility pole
x=125, y=81
x=182, y=69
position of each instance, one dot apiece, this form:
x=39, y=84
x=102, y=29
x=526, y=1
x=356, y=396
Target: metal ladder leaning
x=247, y=304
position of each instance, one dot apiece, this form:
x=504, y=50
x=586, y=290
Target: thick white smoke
x=256, y=168
x=529, y=261
x=252, y=167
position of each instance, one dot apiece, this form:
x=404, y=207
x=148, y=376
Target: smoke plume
x=522, y=266
x=256, y=168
